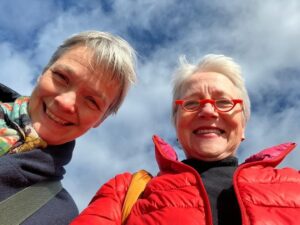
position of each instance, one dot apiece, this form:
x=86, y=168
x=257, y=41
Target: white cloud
x=261, y=35
x=15, y=69
x=22, y=18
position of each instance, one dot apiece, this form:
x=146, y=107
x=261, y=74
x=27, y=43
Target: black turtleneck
x=217, y=178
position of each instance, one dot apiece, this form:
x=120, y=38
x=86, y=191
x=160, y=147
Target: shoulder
x=18, y=171
x=268, y=189
x=116, y=186
x=106, y=205
x=60, y=210
x=261, y=167
x=166, y=182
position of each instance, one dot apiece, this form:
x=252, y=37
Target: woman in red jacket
x=210, y=111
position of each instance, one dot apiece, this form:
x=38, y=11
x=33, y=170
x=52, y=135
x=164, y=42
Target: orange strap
x=136, y=187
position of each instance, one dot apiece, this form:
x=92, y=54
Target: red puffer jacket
x=177, y=195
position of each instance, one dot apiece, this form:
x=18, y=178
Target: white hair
x=111, y=53
x=210, y=63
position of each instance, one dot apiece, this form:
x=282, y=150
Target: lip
x=57, y=120
x=208, y=131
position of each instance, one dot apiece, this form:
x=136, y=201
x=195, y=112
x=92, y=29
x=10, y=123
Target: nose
x=207, y=110
x=67, y=101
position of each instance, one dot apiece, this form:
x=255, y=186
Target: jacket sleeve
x=106, y=206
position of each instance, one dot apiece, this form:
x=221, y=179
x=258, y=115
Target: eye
x=191, y=105
x=60, y=78
x=224, y=103
x=92, y=103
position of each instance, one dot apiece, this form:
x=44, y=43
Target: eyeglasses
x=221, y=105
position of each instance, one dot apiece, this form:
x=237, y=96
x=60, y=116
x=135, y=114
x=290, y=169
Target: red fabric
x=105, y=207
x=268, y=195
x=177, y=196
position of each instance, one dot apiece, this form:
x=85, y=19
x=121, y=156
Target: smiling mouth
x=209, y=131
x=56, y=119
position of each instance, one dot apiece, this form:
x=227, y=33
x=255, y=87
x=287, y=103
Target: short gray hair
x=210, y=63
x=114, y=55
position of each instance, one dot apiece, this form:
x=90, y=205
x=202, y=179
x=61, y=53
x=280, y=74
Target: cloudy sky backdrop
x=262, y=36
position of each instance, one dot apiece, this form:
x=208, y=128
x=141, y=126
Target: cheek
x=45, y=84
x=179, y=124
x=235, y=126
x=185, y=119
x=41, y=89
x=183, y=127
x=90, y=119
x=34, y=98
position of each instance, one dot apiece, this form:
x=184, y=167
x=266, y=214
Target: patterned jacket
x=18, y=171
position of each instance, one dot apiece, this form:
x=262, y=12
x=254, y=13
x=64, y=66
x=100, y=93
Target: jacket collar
x=166, y=155
x=273, y=155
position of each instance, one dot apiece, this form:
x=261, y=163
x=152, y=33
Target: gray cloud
x=261, y=35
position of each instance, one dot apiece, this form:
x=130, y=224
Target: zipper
x=201, y=188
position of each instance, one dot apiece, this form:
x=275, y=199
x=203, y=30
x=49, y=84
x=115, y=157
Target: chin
x=48, y=137
x=55, y=142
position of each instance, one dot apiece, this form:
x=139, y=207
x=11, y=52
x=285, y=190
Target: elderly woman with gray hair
x=210, y=109
x=85, y=81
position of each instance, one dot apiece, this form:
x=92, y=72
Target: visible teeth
x=56, y=119
x=208, y=131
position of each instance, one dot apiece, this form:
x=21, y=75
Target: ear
x=243, y=130
x=243, y=134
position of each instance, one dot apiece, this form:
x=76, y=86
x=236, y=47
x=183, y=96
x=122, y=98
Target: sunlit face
x=70, y=98
x=207, y=134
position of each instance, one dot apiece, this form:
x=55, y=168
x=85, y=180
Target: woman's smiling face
x=70, y=97
x=208, y=134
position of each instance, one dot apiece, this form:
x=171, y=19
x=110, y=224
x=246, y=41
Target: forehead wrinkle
x=199, y=87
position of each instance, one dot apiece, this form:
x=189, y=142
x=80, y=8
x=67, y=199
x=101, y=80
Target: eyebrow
x=69, y=70
x=219, y=92
x=65, y=68
x=216, y=92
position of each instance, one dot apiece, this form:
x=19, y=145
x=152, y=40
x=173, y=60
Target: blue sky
x=262, y=36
